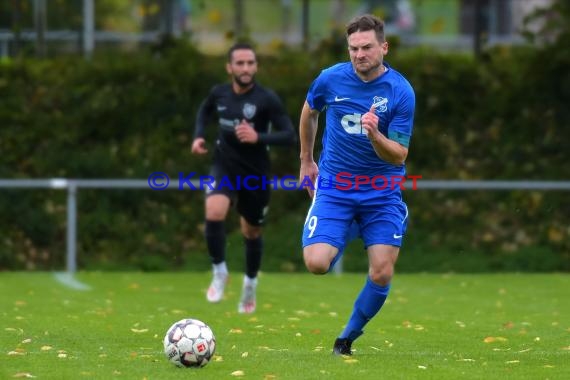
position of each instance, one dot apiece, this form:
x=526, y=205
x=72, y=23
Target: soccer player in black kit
x=244, y=111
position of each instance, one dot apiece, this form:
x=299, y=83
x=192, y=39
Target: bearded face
x=242, y=67
x=366, y=53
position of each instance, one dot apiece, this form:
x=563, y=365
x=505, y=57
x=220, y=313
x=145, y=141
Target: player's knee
x=316, y=263
x=215, y=214
x=251, y=233
x=381, y=276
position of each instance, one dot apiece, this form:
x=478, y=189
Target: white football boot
x=216, y=290
x=247, y=302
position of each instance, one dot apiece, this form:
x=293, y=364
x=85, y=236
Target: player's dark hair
x=239, y=46
x=365, y=23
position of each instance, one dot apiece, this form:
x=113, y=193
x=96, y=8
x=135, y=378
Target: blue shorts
x=334, y=215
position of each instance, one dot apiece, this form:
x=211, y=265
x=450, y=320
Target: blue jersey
x=346, y=98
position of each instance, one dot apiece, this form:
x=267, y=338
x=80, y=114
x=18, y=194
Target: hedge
x=126, y=115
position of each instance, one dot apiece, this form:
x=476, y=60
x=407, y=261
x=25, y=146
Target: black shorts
x=252, y=204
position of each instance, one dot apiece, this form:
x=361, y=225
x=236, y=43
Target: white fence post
x=88, y=28
x=71, y=254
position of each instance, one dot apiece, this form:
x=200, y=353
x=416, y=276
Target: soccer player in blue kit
x=369, y=121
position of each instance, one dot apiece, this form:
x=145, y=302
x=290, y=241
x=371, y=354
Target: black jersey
x=261, y=108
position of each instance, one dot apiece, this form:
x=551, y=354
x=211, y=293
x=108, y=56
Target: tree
x=552, y=24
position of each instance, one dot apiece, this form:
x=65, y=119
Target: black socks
x=216, y=240
x=253, y=251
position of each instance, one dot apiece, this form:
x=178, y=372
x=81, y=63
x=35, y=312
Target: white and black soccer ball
x=189, y=343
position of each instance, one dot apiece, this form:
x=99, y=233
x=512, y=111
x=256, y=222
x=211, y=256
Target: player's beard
x=241, y=83
x=369, y=68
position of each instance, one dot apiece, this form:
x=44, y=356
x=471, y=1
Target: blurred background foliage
x=501, y=115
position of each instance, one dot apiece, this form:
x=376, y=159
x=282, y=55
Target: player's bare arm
x=199, y=146
x=308, y=126
x=388, y=150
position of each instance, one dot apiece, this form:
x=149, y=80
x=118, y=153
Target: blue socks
x=369, y=301
x=366, y=306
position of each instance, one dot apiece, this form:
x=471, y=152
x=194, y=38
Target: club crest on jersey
x=380, y=103
x=249, y=110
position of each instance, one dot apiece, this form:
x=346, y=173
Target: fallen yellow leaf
x=491, y=339
x=23, y=374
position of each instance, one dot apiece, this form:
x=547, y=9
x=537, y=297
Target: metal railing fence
x=73, y=185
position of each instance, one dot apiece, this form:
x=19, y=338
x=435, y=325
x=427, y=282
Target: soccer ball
x=189, y=343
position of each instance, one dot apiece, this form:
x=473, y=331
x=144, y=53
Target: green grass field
x=501, y=326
